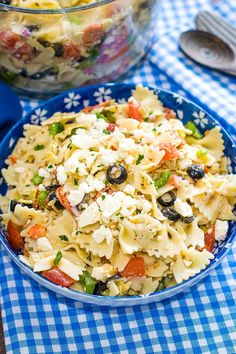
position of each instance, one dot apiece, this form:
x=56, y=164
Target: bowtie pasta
x=118, y=199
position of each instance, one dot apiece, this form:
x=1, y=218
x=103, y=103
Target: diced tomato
x=12, y=159
x=14, y=237
x=174, y=181
x=62, y=197
x=134, y=268
x=111, y=128
x=56, y=276
x=91, y=108
x=134, y=110
x=210, y=238
x=36, y=231
x=71, y=51
x=8, y=39
x=169, y=113
x=171, y=153
x=92, y=35
x=23, y=51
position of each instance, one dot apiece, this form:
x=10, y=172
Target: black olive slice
x=195, y=171
x=116, y=174
x=170, y=213
x=100, y=287
x=167, y=199
x=187, y=219
x=53, y=198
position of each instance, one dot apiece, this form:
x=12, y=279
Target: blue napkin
x=10, y=109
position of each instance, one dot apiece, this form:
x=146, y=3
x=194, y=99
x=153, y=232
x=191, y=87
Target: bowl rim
x=65, y=10
x=114, y=301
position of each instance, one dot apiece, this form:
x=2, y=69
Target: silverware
x=213, y=44
x=208, y=22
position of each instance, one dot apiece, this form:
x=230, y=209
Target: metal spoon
x=209, y=50
x=10, y=109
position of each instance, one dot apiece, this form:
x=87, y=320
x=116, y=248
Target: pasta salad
x=118, y=199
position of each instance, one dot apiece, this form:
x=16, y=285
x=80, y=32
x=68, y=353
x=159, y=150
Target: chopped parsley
x=50, y=166
x=39, y=147
x=63, y=237
x=154, y=129
x=140, y=158
x=106, y=132
x=103, y=197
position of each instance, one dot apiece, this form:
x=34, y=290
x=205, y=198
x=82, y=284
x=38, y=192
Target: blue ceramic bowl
x=74, y=101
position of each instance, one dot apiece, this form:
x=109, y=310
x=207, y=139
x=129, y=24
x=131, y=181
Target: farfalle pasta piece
x=190, y=262
x=148, y=100
x=212, y=141
x=102, y=249
x=167, y=243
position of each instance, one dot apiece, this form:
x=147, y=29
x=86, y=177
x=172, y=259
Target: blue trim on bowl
x=119, y=301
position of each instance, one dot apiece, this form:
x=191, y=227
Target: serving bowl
x=45, y=52
x=74, y=101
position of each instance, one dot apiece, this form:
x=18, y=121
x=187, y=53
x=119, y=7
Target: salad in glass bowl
x=49, y=46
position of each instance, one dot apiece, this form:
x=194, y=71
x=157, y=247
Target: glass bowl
x=74, y=101
x=45, y=52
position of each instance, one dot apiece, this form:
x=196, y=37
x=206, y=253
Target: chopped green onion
x=196, y=133
x=88, y=282
x=50, y=166
x=108, y=116
x=122, y=218
x=63, y=237
x=106, y=132
x=140, y=158
x=39, y=147
x=146, y=119
x=201, y=153
x=57, y=258
x=41, y=198
x=162, y=180
x=103, y=197
x=154, y=129
x=37, y=180
x=55, y=128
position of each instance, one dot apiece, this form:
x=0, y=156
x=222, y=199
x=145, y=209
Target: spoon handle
x=208, y=22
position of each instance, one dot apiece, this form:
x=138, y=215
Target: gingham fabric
x=202, y=320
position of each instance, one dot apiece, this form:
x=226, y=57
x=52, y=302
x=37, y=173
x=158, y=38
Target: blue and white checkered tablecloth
x=202, y=320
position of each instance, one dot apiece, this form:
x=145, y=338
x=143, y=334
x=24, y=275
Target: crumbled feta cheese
x=72, y=163
x=129, y=189
x=90, y=215
x=83, y=141
x=101, y=125
x=101, y=234
x=20, y=169
x=108, y=157
x=75, y=197
x=103, y=272
x=61, y=175
x=110, y=205
x=71, y=269
x=44, y=244
x=41, y=188
x=183, y=208
x=94, y=183
x=86, y=120
x=43, y=173
x=221, y=229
